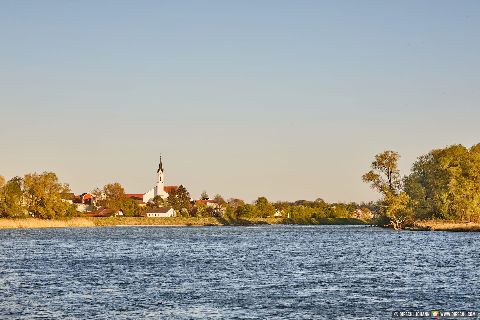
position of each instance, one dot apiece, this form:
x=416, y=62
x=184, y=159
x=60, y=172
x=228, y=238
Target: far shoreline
x=86, y=222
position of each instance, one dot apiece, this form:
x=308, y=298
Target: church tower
x=160, y=181
x=160, y=187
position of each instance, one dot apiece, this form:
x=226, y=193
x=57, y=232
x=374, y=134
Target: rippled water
x=274, y=272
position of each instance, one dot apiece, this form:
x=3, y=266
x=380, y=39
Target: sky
x=284, y=99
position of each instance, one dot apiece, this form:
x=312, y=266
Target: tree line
x=44, y=196
x=443, y=184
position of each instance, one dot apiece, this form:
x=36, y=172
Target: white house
x=159, y=189
x=163, y=212
x=278, y=214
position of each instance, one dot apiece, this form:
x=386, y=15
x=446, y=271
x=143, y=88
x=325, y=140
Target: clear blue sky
x=287, y=99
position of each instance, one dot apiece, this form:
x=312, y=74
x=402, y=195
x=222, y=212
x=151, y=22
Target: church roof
x=135, y=195
x=169, y=189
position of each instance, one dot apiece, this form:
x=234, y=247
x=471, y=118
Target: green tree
x=230, y=213
x=445, y=184
x=264, y=208
x=200, y=210
x=246, y=210
x=130, y=208
x=11, y=199
x=157, y=202
x=385, y=178
x=235, y=203
x=180, y=200
x=43, y=196
x=204, y=195
x=2, y=181
x=115, y=196
x=219, y=200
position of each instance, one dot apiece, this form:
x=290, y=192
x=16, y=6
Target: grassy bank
x=443, y=225
x=41, y=223
x=143, y=221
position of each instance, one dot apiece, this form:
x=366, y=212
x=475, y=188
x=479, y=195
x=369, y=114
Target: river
x=274, y=272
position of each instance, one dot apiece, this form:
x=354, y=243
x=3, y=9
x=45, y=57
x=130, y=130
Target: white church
x=160, y=189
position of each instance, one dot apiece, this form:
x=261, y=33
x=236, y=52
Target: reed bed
x=442, y=225
x=43, y=223
x=143, y=221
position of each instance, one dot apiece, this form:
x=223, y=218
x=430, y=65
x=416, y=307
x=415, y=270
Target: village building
x=162, y=212
x=84, y=202
x=207, y=202
x=87, y=202
x=363, y=214
x=278, y=214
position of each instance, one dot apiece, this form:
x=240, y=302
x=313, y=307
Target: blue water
x=274, y=272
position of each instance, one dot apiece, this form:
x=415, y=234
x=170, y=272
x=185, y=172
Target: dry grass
x=442, y=225
x=41, y=223
x=143, y=221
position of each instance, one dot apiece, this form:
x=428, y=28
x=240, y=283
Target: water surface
x=274, y=272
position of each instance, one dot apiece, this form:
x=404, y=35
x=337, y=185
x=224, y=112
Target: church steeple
x=160, y=165
x=159, y=189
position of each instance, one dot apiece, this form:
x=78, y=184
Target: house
x=160, y=189
x=138, y=198
x=102, y=212
x=208, y=203
x=278, y=214
x=135, y=196
x=84, y=202
x=363, y=214
x=162, y=212
x=86, y=198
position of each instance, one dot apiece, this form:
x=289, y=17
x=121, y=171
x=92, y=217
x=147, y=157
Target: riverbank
x=442, y=225
x=80, y=222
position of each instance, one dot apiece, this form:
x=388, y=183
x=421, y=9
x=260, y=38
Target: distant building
x=135, y=196
x=160, y=189
x=138, y=198
x=102, y=212
x=208, y=203
x=278, y=214
x=363, y=214
x=163, y=212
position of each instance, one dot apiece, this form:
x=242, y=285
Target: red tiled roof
x=104, y=212
x=205, y=201
x=169, y=189
x=135, y=195
x=87, y=196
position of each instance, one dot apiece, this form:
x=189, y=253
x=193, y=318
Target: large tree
x=44, y=196
x=219, y=200
x=445, y=184
x=115, y=196
x=116, y=199
x=264, y=208
x=180, y=200
x=11, y=199
x=384, y=177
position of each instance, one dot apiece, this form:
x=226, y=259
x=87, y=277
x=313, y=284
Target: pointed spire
x=160, y=165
